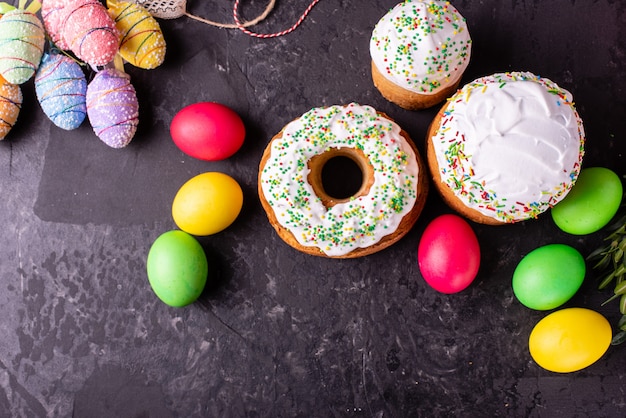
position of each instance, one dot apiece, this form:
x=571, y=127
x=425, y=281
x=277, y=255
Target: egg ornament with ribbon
x=112, y=107
x=22, y=39
x=61, y=90
x=10, y=105
x=83, y=27
x=141, y=41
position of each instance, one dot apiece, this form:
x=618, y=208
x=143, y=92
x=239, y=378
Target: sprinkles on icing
x=510, y=145
x=422, y=46
x=362, y=221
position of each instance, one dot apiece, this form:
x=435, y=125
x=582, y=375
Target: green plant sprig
x=610, y=262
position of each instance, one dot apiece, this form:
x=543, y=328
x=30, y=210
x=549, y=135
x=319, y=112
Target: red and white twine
x=241, y=26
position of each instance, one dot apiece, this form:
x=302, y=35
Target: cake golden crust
x=408, y=99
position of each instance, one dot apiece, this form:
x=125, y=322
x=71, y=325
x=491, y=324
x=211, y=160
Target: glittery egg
x=22, y=40
x=61, y=87
x=52, y=16
x=141, y=41
x=89, y=31
x=10, y=105
x=112, y=107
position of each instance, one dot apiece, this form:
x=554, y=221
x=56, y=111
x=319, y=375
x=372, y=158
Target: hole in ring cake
x=385, y=207
x=338, y=175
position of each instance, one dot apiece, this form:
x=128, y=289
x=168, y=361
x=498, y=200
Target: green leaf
x=619, y=338
x=606, y=281
x=620, y=287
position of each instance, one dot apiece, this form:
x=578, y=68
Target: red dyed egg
x=208, y=131
x=448, y=254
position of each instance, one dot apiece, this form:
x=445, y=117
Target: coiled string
x=244, y=25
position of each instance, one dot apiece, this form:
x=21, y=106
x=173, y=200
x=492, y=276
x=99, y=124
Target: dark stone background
x=279, y=333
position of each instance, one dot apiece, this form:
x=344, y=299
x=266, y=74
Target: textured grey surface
x=279, y=333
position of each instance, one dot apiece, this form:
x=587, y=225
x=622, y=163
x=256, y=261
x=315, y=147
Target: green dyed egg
x=592, y=202
x=177, y=268
x=548, y=276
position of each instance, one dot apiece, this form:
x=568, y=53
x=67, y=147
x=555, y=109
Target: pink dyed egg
x=208, y=131
x=448, y=254
x=112, y=107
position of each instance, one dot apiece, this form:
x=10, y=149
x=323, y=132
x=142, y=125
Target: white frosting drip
x=510, y=145
x=361, y=222
x=422, y=46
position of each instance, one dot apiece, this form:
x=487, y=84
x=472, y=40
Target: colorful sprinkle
x=422, y=46
x=510, y=145
x=363, y=220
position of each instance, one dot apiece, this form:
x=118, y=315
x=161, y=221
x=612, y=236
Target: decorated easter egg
x=591, y=203
x=569, y=339
x=61, y=87
x=112, y=107
x=448, y=254
x=141, y=41
x=22, y=40
x=548, y=276
x=207, y=203
x=52, y=16
x=10, y=105
x=208, y=131
x=89, y=31
x=177, y=268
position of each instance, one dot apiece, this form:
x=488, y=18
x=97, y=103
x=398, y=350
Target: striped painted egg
x=22, y=40
x=89, y=31
x=10, y=105
x=61, y=87
x=112, y=107
x=141, y=41
x=52, y=16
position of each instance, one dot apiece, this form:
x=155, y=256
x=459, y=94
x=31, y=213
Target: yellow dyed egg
x=569, y=339
x=141, y=41
x=10, y=105
x=207, y=204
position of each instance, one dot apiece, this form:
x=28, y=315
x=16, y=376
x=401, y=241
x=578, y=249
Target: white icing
x=422, y=46
x=361, y=222
x=521, y=143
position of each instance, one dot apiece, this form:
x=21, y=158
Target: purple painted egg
x=112, y=107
